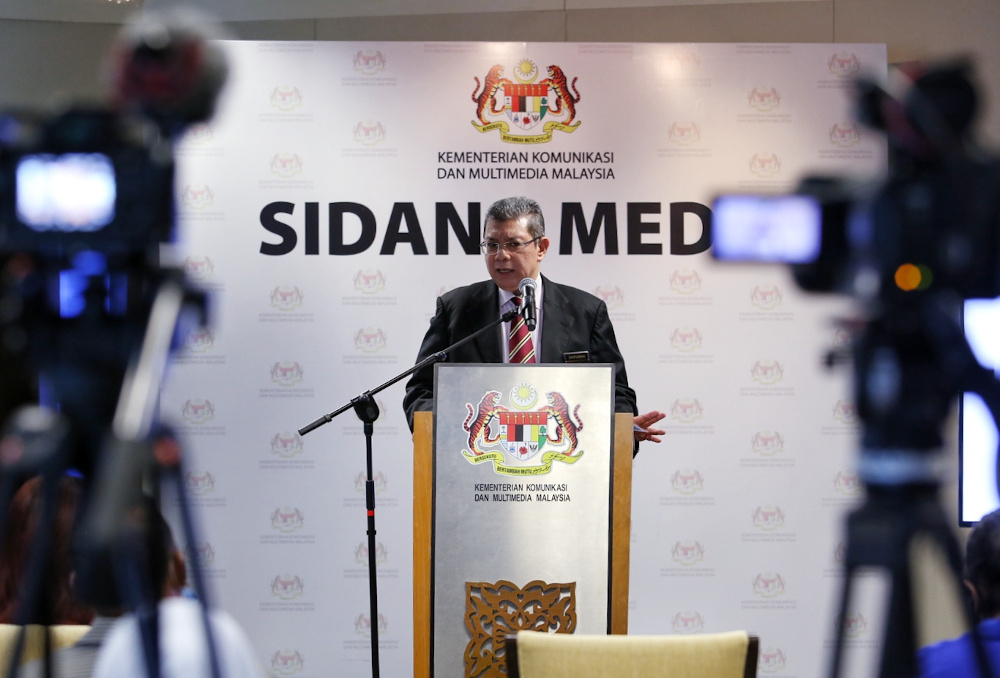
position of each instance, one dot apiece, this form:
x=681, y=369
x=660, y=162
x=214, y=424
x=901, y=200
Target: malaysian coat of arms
x=518, y=440
x=526, y=110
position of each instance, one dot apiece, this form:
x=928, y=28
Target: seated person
x=956, y=658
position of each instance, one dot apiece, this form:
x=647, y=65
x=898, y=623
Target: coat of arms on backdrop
x=522, y=440
x=517, y=107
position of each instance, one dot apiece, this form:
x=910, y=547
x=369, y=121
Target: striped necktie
x=521, y=348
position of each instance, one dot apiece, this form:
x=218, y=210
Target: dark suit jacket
x=572, y=320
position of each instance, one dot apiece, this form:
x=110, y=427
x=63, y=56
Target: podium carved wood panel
x=495, y=610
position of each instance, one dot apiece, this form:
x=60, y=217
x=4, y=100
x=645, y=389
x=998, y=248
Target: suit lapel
x=486, y=304
x=557, y=322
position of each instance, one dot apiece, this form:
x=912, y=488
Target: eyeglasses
x=510, y=247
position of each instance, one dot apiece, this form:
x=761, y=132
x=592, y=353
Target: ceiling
x=118, y=11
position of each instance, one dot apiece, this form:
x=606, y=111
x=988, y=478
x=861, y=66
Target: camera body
x=932, y=226
x=83, y=180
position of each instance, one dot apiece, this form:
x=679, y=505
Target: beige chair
x=63, y=635
x=533, y=654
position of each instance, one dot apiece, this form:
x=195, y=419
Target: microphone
x=527, y=290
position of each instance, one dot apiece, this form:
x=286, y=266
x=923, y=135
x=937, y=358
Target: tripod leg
x=845, y=596
x=168, y=457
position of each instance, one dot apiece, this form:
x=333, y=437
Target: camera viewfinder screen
x=71, y=192
x=770, y=229
x=978, y=435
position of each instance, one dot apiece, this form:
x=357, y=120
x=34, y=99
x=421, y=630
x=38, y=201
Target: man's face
x=509, y=268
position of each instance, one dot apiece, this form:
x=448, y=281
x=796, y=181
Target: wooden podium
x=423, y=537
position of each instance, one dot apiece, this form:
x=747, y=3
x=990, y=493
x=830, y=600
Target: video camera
x=932, y=226
x=86, y=179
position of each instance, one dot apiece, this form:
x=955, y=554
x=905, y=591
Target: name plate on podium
x=522, y=508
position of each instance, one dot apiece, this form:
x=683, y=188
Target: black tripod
x=911, y=363
x=123, y=447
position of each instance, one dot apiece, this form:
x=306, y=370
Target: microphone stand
x=367, y=410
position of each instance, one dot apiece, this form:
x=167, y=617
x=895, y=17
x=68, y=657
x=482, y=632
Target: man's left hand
x=642, y=426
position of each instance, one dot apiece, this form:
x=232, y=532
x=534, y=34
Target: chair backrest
x=63, y=635
x=533, y=654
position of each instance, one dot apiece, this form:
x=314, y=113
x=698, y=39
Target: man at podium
x=570, y=325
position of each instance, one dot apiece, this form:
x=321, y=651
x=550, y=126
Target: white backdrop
x=320, y=209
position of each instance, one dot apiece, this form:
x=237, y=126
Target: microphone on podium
x=527, y=291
